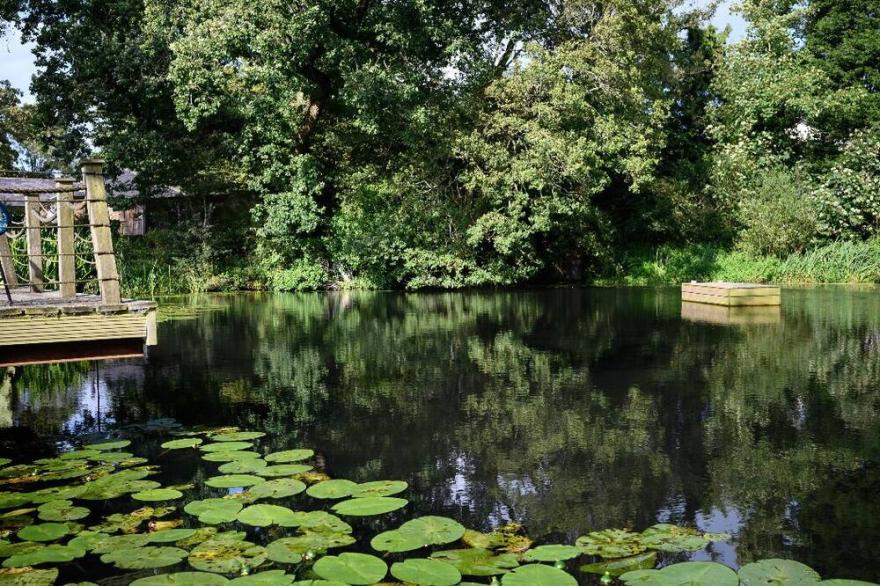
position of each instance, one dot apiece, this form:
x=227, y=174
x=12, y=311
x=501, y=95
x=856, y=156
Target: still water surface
x=566, y=410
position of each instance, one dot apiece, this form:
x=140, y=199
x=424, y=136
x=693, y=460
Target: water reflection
x=566, y=410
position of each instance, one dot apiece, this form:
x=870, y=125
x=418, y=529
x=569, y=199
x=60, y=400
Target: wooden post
x=6, y=259
x=102, y=237
x=66, y=249
x=34, y=242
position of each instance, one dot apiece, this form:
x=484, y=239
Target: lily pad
x=267, y=578
x=351, y=568
x=119, y=542
x=43, y=532
x=266, y=515
x=433, y=530
x=170, y=535
x=182, y=579
x=617, y=567
x=538, y=575
x=321, y=521
x=142, y=558
x=691, y=573
x=332, y=489
x=379, y=488
x=226, y=556
x=672, y=538
x=118, y=457
x=245, y=466
x=551, y=553
x=283, y=470
x=426, y=572
x=227, y=447
x=87, y=540
x=396, y=542
x=237, y=436
x=28, y=577
x=80, y=455
x=366, y=507
x=289, y=550
x=157, y=494
x=777, y=571
x=214, y=511
x=611, y=543
x=9, y=500
x=183, y=444
x=233, y=480
x=477, y=562
x=57, y=493
x=290, y=456
x=277, y=488
x=45, y=554
x=231, y=456
x=110, y=445
x=61, y=510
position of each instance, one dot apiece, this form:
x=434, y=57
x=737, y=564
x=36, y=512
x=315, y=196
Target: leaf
x=56, y=493
x=265, y=515
x=616, y=567
x=672, y=539
x=182, y=444
x=366, y=507
x=433, y=530
x=28, y=577
x=227, y=447
x=268, y=578
x=321, y=521
x=157, y=494
x=110, y=445
x=214, y=511
x=777, y=571
x=611, y=543
x=396, y=542
x=283, y=470
x=43, y=532
x=10, y=500
x=276, y=489
x=61, y=510
x=233, y=481
x=351, y=568
x=477, y=562
x=426, y=572
x=237, y=436
x=170, y=535
x=45, y=554
x=245, y=466
x=182, y=579
x=551, y=553
x=226, y=556
x=537, y=575
x=379, y=488
x=290, y=455
x=231, y=456
x=332, y=489
x=690, y=573
x=289, y=550
x=142, y=558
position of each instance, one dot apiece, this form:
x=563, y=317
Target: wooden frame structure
x=731, y=294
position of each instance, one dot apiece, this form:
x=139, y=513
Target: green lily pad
x=321, y=521
x=551, y=553
x=776, y=571
x=57, y=493
x=87, y=540
x=214, y=511
x=111, y=445
x=283, y=470
x=80, y=455
x=277, y=488
x=433, y=530
x=690, y=573
x=426, y=572
x=845, y=582
x=117, y=457
x=225, y=556
x=336, y=488
x=61, y=510
x=267, y=578
x=170, y=535
x=142, y=558
x=237, y=436
x=46, y=554
x=233, y=480
x=396, y=542
x=43, y=532
x=611, y=543
x=265, y=515
x=182, y=579
x=672, y=539
x=182, y=444
x=21, y=547
x=379, y=488
x=119, y=542
x=200, y=535
x=157, y=494
x=366, y=507
x=477, y=562
x=290, y=456
x=351, y=568
x=538, y=575
x=230, y=456
x=9, y=500
x=28, y=577
x=246, y=466
x=227, y=447
x=318, y=583
x=289, y=550
x=617, y=567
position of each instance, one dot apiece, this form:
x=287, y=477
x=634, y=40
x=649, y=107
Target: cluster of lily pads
x=243, y=533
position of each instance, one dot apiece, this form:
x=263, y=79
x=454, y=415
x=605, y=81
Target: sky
x=17, y=62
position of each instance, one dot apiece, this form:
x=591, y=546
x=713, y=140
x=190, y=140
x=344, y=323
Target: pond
x=565, y=410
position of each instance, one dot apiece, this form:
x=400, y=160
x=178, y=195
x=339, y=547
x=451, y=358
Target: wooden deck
x=45, y=319
x=731, y=294
x=730, y=315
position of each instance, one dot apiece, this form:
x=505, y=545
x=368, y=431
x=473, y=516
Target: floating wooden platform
x=45, y=318
x=729, y=316
x=731, y=294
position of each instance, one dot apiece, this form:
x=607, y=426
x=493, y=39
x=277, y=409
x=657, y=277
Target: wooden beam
x=102, y=237
x=66, y=247
x=34, y=242
x=6, y=259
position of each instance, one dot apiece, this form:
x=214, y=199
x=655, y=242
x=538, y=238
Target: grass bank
x=836, y=262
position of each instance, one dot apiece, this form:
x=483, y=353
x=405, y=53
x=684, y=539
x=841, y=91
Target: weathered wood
x=71, y=328
x=102, y=238
x=34, y=242
x=727, y=315
x=152, y=335
x=66, y=245
x=731, y=294
x=6, y=259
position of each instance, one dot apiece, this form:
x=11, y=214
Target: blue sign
x=5, y=219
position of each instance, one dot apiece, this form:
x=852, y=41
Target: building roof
x=121, y=186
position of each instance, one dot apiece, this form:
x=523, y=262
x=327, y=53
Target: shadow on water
x=567, y=410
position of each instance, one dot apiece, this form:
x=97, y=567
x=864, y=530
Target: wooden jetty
x=730, y=315
x=70, y=296
x=731, y=294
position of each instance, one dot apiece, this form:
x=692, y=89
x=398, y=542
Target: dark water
x=566, y=410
